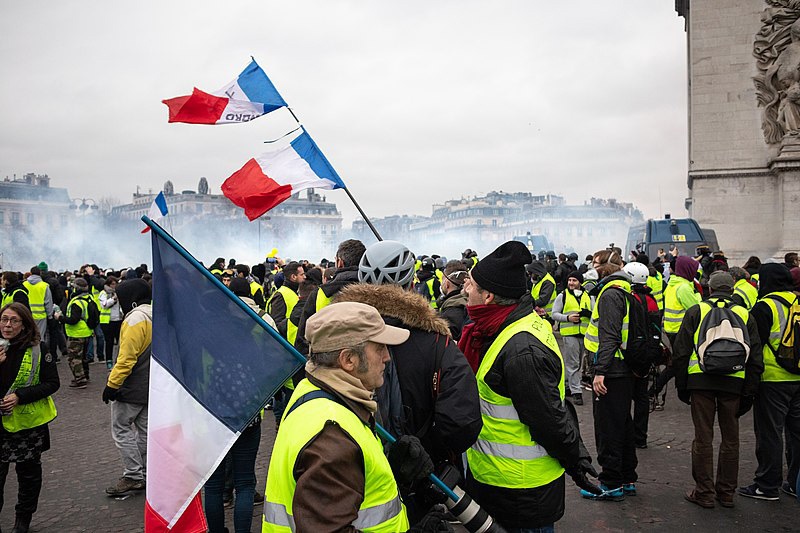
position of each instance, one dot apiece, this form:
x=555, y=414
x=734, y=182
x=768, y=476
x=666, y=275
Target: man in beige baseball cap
x=326, y=443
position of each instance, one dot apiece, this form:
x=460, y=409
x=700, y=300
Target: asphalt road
x=83, y=462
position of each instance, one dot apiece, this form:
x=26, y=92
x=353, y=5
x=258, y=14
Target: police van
x=669, y=234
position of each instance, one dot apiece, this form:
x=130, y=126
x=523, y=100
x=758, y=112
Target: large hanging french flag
x=214, y=365
x=248, y=97
x=265, y=181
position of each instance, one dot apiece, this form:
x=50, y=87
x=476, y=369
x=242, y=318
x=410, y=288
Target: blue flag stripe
x=222, y=353
x=258, y=87
x=306, y=148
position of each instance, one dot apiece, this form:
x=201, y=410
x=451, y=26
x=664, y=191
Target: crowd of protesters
x=478, y=365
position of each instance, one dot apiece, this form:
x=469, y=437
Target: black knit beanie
x=502, y=272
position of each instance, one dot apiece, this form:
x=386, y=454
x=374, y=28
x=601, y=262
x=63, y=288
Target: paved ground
x=84, y=461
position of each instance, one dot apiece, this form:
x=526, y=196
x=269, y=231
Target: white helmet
x=387, y=263
x=590, y=274
x=637, y=272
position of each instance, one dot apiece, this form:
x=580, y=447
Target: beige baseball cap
x=343, y=325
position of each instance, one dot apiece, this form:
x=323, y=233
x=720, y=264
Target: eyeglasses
x=10, y=320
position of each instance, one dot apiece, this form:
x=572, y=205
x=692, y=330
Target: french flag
x=158, y=210
x=265, y=181
x=212, y=369
x=246, y=98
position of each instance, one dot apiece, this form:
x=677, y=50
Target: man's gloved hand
x=433, y=522
x=579, y=472
x=409, y=460
x=109, y=394
x=745, y=404
x=685, y=396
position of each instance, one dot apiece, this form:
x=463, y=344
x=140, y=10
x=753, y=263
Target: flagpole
x=349, y=194
x=175, y=245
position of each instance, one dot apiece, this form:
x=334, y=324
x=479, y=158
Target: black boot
x=22, y=524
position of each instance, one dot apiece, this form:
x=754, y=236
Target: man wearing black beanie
x=533, y=436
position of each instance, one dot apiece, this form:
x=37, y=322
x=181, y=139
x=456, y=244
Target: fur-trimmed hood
x=410, y=308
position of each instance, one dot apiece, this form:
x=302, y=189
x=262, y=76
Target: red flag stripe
x=199, y=108
x=251, y=189
x=191, y=521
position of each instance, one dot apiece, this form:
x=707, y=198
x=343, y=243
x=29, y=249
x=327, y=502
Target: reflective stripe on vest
x=772, y=370
x=432, y=301
x=290, y=299
x=504, y=454
x=381, y=510
x=571, y=305
x=746, y=292
x=36, y=296
x=656, y=285
x=591, y=340
x=673, y=310
x=548, y=307
x=694, y=359
x=81, y=329
x=34, y=414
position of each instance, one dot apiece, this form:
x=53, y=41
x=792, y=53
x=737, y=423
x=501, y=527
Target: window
x=31, y=219
x=63, y=221
x=2, y=217
x=49, y=219
x=323, y=229
x=15, y=218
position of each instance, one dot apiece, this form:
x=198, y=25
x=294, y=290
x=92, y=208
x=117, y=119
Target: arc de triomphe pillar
x=744, y=122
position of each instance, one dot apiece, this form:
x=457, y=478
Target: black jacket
x=276, y=307
x=20, y=293
x=447, y=419
x=529, y=373
x=683, y=348
x=611, y=308
x=344, y=277
x=453, y=308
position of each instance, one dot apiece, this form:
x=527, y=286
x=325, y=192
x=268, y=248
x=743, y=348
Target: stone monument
x=744, y=122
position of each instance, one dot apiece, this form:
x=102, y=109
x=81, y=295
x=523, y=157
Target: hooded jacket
x=773, y=277
x=453, y=308
x=447, y=419
x=611, y=310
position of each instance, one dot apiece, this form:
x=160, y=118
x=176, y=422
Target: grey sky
x=413, y=102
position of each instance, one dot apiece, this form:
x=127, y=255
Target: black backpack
x=723, y=343
x=644, y=338
x=93, y=313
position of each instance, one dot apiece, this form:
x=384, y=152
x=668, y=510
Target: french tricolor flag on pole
x=269, y=179
x=247, y=97
x=214, y=364
x=158, y=210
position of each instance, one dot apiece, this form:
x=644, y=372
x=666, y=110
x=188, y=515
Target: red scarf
x=487, y=320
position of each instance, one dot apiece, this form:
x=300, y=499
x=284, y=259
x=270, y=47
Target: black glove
x=745, y=404
x=109, y=394
x=685, y=396
x=578, y=473
x=409, y=460
x=433, y=522
x=586, y=313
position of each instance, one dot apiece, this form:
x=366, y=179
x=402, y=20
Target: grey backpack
x=723, y=343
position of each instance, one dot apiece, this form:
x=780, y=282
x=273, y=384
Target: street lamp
x=84, y=205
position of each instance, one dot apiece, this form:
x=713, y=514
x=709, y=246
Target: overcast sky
x=413, y=102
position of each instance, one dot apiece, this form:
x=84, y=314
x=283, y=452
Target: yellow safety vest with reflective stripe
x=504, y=454
x=591, y=339
x=548, y=307
x=381, y=510
x=780, y=318
x=656, y=284
x=432, y=301
x=572, y=305
x=290, y=299
x=105, y=312
x=81, y=329
x=254, y=288
x=34, y=414
x=36, y=295
x=673, y=310
x=705, y=307
x=9, y=298
x=746, y=292
x=322, y=300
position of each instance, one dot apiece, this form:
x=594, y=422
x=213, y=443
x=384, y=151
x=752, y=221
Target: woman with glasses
x=27, y=382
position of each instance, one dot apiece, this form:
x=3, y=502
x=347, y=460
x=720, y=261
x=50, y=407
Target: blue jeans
x=243, y=455
x=543, y=529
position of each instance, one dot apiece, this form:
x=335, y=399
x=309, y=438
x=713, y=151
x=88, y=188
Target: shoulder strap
x=314, y=395
x=780, y=299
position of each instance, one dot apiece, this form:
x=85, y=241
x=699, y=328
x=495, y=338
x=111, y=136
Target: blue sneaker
x=629, y=489
x=611, y=495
